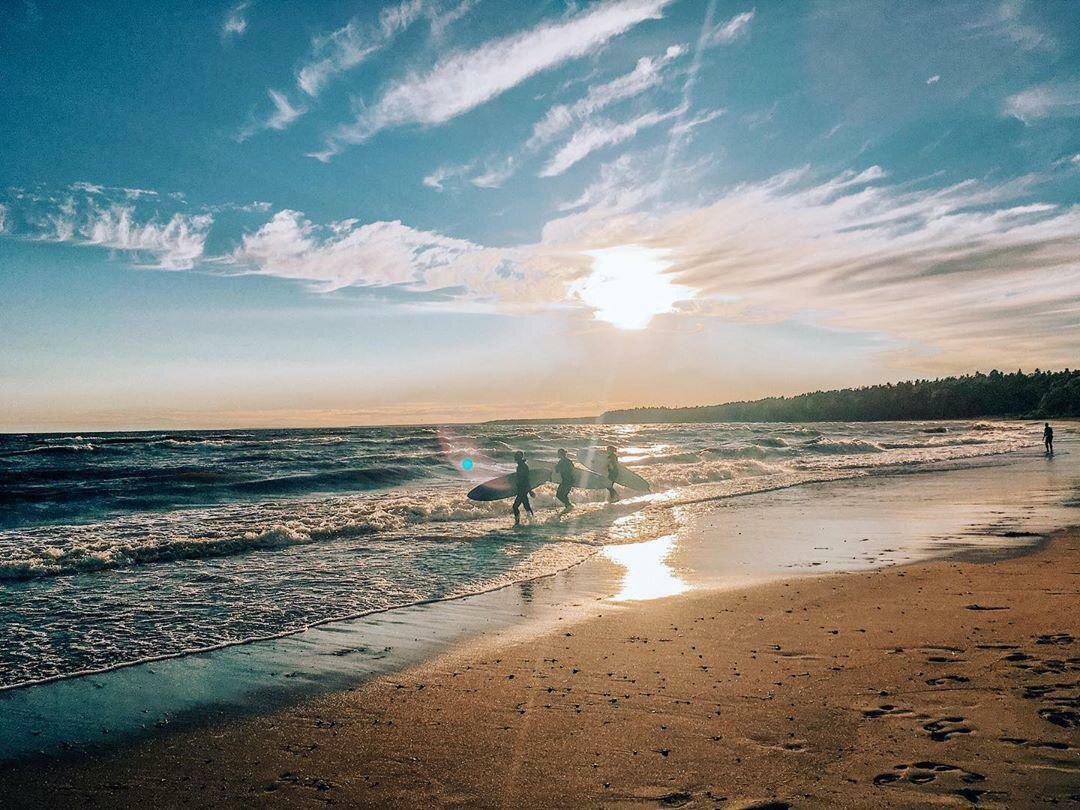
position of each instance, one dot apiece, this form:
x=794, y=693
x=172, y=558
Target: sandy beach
x=950, y=682
x=590, y=403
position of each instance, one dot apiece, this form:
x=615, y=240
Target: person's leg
x=517, y=510
x=563, y=495
x=525, y=501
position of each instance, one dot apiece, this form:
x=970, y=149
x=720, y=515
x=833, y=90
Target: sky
x=282, y=214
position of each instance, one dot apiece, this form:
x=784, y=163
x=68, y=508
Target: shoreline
x=145, y=700
x=534, y=610
x=964, y=463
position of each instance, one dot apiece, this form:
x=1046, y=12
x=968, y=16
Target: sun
x=629, y=285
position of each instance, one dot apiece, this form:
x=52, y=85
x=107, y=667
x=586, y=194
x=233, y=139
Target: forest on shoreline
x=1040, y=394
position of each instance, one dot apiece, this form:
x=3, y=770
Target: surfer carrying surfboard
x=523, y=488
x=612, y=471
x=565, y=468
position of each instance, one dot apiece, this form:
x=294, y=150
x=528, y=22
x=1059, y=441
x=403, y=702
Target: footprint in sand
x=944, y=679
x=885, y=709
x=946, y=728
x=1060, y=716
x=1054, y=638
x=956, y=779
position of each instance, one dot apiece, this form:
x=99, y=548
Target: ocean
x=124, y=547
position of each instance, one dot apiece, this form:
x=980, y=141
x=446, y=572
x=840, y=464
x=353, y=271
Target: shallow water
x=123, y=547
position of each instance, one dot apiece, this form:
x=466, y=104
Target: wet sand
x=943, y=683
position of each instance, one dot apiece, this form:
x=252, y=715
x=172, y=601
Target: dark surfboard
x=506, y=486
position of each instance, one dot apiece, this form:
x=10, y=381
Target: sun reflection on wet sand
x=647, y=575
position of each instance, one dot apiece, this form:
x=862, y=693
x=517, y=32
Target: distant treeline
x=1040, y=394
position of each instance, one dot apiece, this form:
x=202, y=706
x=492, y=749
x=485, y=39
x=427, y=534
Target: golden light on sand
x=629, y=286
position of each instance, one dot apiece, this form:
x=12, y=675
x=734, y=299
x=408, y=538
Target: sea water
x=123, y=547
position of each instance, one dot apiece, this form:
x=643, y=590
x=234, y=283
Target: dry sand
x=948, y=683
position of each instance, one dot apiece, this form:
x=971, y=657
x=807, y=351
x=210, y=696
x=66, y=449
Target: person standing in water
x=565, y=468
x=612, y=472
x=523, y=488
x=1048, y=439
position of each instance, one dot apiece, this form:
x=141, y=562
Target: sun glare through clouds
x=629, y=286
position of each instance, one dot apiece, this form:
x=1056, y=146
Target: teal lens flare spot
x=466, y=464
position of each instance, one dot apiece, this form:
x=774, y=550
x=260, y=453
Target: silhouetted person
x=565, y=468
x=612, y=472
x=1048, y=439
x=523, y=488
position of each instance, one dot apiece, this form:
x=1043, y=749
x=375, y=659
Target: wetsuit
x=1048, y=439
x=612, y=474
x=523, y=489
x=565, y=468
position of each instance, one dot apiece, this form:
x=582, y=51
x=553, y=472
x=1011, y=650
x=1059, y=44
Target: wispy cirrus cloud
x=647, y=74
x=235, y=23
x=464, y=80
x=972, y=272
x=138, y=222
x=332, y=55
x=598, y=134
x=1008, y=20
x=494, y=175
x=1051, y=100
x=975, y=272
x=352, y=44
x=688, y=125
x=283, y=114
x=735, y=28
x=446, y=172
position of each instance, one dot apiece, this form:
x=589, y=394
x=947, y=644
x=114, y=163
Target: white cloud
x=735, y=28
x=284, y=114
x=351, y=44
x=441, y=21
x=1005, y=20
x=933, y=79
x=690, y=124
x=648, y=73
x=495, y=176
x=130, y=193
x=236, y=21
x=599, y=134
x=442, y=174
x=3, y=217
x=176, y=244
x=253, y=207
x=466, y=79
x=120, y=219
x=1053, y=100
x=347, y=254
x=980, y=273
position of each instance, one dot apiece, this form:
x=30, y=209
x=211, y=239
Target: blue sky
x=264, y=213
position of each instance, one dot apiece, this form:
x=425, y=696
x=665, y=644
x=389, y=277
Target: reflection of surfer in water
x=565, y=468
x=612, y=471
x=523, y=488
